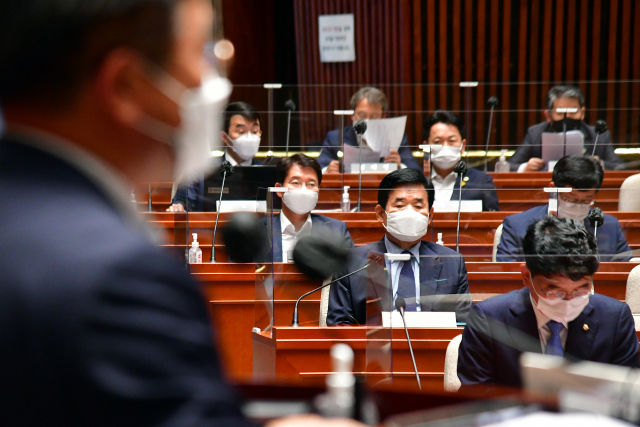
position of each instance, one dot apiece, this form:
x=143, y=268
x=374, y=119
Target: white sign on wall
x=336, y=38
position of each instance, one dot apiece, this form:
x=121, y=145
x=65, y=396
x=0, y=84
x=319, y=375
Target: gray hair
x=372, y=94
x=564, y=91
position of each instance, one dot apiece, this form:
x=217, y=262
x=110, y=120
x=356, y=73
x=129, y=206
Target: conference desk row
x=230, y=290
x=516, y=192
x=477, y=230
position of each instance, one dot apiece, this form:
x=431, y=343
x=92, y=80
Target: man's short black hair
x=446, y=117
x=49, y=49
x=286, y=163
x=240, y=108
x=560, y=246
x=578, y=172
x=400, y=178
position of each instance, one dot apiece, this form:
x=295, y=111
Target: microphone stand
x=461, y=170
x=596, y=217
x=149, y=205
x=601, y=127
x=289, y=105
x=400, y=306
x=564, y=130
x=492, y=102
x=360, y=128
x=295, y=323
x=226, y=168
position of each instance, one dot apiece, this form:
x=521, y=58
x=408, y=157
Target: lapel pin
x=585, y=327
x=465, y=179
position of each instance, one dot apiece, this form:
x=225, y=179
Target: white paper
x=336, y=38
x=553, y=146
x=420, y=319
x=351, y=155
x=385, y=134
x=452, y=205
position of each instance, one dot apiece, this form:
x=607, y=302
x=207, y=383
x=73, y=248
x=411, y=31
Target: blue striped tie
x=407, y=284
x=554, y=345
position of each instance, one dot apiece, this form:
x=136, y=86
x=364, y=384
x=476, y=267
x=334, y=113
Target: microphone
x=291, y=106
x=400, y=306
x=601, y=127
x=491, y=102
x=149, y=205
x=225, y=169
x=360, y=127
x=596, y=218
x=244, y=237
x=461, y=170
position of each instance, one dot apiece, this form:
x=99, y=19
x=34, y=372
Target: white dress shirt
x=233, y=161
x=394, y=268
x=289, y=234
x=543, y=330
x=443, y=186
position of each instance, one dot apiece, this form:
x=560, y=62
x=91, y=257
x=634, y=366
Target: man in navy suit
x=368, y=103
x=527, y=157
x=584, y=175
x=301, y=176
x=241, y=139
x=435, y=277
x=555, y=313
x=98, y=326
x=444, y=130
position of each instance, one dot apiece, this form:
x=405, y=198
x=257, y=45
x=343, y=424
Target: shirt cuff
x=522, y=167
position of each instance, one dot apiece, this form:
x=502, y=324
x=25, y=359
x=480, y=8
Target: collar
x=435, y=176
x=541, y=319
x=392, y=248
x=233, y=161
x=287, y=226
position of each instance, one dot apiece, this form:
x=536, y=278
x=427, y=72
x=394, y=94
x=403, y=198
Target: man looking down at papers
x=528, y=155
x=584, y=176
x=434, y=279
x=556, y=312
x=368, y=103
x=444, y=131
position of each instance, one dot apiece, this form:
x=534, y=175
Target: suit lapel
x=430, y=269
x=580, y=341
x=523, y=326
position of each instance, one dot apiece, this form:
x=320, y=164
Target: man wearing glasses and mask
x=527, y=157
x=368, y=103
x=584, y=175
x=556, y=313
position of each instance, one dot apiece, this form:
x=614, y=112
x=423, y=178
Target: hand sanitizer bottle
x=440, y=242
x=195, y=253
x=345, y=205
x=502, y=165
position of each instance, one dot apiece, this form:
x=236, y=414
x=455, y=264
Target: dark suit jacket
x=98, y=325
x=319, y=223
x=611, y=240
x=332, y=145
x=531, y=146
x=195, y=190
x=479, y=186
x=439, y=275
x=499, y=329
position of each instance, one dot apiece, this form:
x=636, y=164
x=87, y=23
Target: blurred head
x=564, y=96
x=445, y=128
x=560, y=255
x=583, y=174
x=369, y=103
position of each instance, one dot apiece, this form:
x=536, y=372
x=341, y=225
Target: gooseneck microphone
x=491, y=102
x=149, y=204
x=360, y=127
x=291, y=106
x=225, y=169
x=294, y=322
x=401, y=304
x=461, y=170
x=596, y=218
x=601, y=127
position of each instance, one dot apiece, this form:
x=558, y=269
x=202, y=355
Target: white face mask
x=563, y=311
x=246, y=146
x=200, y=118
x=445, y=156
x=572, y=210
x=407, y=225
x=300, y=201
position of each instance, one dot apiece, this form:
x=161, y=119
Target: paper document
x=383, y=135
x=553, y=145
x=352, y=155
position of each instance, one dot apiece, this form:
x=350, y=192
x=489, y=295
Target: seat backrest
x=496, y=242
x=629, y=199
x=324, y=303
x=451, y=380
x=632, y=296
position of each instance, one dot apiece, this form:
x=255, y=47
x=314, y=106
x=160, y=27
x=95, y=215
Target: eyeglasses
x=558, y=295
x=578, y=202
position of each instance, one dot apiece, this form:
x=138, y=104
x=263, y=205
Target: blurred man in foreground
x=556, y=312
x=98, y=326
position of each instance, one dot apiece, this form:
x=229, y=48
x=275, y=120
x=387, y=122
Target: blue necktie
x=407, y=284
x=554, y=345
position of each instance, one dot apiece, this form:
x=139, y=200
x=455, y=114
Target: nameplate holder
x=374, y=167
x=216, y=190
x=420, y=319
x=452, y=205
